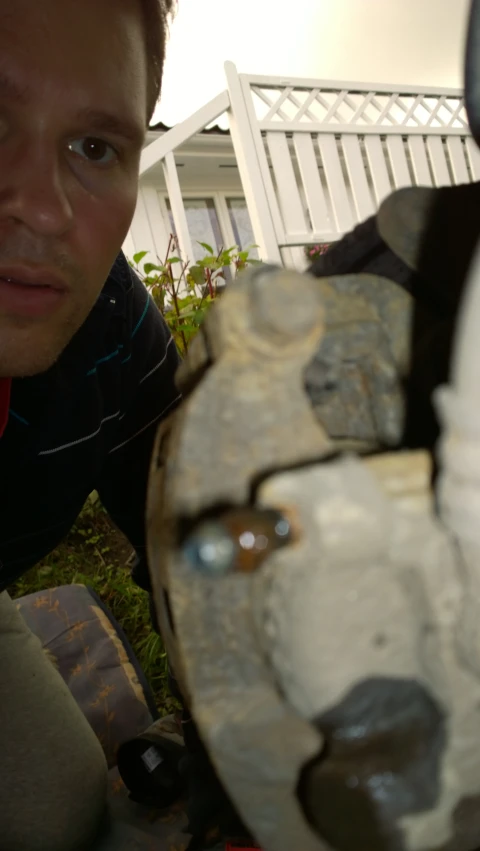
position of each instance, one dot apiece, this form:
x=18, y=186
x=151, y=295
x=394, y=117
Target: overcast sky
x=417, y=42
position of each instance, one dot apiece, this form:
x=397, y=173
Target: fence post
x=250, y=171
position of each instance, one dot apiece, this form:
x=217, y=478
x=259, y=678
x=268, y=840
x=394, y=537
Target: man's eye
x=94, y=150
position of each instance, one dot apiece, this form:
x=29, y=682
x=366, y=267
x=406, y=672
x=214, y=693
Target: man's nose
x=33, y=190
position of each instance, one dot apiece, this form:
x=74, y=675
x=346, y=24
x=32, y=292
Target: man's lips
x=33, y=276
x=29, y=291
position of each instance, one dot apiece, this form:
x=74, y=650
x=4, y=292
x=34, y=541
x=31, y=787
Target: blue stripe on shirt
x=137, y=326
x=117, y=350
x=102, y=360
x=18, y=417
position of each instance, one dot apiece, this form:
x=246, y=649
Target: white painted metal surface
x=316, y=157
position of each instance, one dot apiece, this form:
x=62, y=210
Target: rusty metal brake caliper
x=245, y=414
x=308, y=600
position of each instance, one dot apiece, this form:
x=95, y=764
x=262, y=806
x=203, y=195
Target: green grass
x=95, y=553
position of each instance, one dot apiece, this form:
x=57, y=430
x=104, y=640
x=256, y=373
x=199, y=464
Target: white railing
x=315, y=157
x=329, y=153
x=148, y=231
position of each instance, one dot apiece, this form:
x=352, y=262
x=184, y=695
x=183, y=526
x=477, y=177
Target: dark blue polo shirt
x=88, y=423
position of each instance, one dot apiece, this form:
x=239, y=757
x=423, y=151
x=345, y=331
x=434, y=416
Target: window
x=218, y=220
x=241, y=224
x=203, y=224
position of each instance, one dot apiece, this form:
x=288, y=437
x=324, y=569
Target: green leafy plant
x=183, y=292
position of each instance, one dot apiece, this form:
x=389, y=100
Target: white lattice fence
x=328, y=154
x=315, y=158
x=346, y=108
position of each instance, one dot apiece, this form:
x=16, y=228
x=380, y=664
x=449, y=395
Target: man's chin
x=30, y=356
x=27, y=366
x=28, y=349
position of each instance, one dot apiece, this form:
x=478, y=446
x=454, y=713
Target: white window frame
x=219, y=199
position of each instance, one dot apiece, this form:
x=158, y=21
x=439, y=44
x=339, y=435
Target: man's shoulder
x=124, y=288
x=116, y=339
x=125, y=311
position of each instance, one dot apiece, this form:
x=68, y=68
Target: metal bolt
x=285, y=304
x=239, y=541
x=210, y=549
x=282, y=528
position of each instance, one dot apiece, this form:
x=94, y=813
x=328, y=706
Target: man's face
x=73, y=85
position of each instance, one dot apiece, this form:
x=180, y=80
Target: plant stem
x=208, y=274
x=177, y=309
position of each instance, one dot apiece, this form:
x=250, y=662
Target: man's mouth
x=30, y=292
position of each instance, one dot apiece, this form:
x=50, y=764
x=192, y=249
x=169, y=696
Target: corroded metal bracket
x=298, y=595
x=248, y=415
x=320, y=607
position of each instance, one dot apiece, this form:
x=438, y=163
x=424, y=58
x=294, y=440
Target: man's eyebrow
x=107, y=122
x=97, y=120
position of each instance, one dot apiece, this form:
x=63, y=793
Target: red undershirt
x=5, y=385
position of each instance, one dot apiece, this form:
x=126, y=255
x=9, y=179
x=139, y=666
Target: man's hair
x=156, y=13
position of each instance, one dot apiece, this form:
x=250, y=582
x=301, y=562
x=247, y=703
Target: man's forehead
x=91, y=53
x=116, y=118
